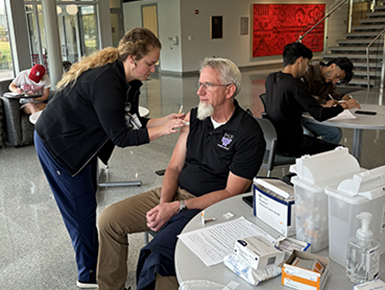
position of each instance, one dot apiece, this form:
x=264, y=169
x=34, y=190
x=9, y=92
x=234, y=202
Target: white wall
x=168, y=25
x=177, y=17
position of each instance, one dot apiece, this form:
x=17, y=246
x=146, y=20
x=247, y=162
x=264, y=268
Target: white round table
x=189, y=266
x=143, y=112
x=367, y=122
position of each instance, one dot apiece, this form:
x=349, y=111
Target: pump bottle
x=363, y=253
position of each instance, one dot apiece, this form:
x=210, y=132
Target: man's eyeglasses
x=209, y=85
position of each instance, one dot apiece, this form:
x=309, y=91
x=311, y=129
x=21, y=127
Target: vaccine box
x=365, y=191
x=371, y=285
x=258, y=252
x=299, y=278
x=314, y=174
x=274, y=204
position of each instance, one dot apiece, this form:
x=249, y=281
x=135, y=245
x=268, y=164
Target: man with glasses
x=321, y=81
x=287, y=98
x=217, y=155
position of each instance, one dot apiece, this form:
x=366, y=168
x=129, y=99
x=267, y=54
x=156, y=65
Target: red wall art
x=276, y=25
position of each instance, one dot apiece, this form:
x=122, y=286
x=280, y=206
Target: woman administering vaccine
x=94, y=110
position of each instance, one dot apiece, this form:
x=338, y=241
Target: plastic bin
x=363, y=192
x=314, y=174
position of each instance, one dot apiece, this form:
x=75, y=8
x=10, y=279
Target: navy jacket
x=158, y=255
x=87, y=118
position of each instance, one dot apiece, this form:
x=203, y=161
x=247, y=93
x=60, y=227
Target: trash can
x=363, y=192
x=314, y=174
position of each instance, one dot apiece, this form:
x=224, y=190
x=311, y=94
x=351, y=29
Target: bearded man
x=218, y=153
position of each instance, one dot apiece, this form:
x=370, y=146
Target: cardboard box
x=370, y=285
x=258, y=252
x=288, y=245
x=274, y=204
x=299, y=278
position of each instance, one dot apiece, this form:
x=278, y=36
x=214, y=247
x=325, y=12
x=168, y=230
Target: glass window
x=6, y=67
x=78, y=30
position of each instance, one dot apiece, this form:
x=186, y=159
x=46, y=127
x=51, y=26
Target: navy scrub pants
x=75, y=197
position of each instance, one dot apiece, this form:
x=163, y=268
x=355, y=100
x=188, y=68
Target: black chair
x=272, y=159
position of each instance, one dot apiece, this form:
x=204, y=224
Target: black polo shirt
x=237, y=146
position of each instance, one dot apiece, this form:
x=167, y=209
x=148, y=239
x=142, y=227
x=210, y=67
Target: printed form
x=212, y=244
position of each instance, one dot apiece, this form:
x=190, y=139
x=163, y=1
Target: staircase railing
x=382, y=68
x=325, y=17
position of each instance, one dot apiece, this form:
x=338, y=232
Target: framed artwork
x=216, y=27
x=275, y=25
x=244, y=25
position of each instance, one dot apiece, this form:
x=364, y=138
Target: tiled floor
x=35, y=248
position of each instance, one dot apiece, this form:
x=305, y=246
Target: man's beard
x=204, y=110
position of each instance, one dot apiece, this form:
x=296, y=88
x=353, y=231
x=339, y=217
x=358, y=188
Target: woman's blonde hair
x=136, y=42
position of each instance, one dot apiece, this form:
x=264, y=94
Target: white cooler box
x=314, y=174
x=363, y=192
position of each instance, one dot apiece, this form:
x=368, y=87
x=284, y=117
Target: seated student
x=320, y=80
x=33, y=81
x=287, y=98
x=217, y=155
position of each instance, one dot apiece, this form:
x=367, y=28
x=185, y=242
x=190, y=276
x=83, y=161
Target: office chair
x=272, y=159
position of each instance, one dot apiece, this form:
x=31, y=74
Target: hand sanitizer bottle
x=363, y=253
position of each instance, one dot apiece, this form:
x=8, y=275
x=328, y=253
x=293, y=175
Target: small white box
x=274, y=204
x=258, y=252
x=299, y=278
x=371, y=285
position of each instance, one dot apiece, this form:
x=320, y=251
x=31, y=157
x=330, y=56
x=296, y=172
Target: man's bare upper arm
x=236, y=184
x=179, y=154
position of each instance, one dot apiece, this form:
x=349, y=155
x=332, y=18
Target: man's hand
x=330, y=103
x=161, y=214
x=345, y=98
x=351, y=103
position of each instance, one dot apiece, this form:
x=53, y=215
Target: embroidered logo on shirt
x=226, y=141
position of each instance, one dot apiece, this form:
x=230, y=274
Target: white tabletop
x=189, y=267
x=368, y=122
x=143, y=112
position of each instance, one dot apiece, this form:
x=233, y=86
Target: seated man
x=32, y=81
x=320, y=80
x=216, y=156
x=287, y=98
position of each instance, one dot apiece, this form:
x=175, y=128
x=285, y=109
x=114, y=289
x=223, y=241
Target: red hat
x=37, y=73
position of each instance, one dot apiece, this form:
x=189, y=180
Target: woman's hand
x=172, y=125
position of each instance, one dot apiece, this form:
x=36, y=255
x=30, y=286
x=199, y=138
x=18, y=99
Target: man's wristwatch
x=182, y=206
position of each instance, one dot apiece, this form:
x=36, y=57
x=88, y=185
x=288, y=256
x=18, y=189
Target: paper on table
x=13, y=95
x=346, y=114
x=22, y=95
x=212, y=244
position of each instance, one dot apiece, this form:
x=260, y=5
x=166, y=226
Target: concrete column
x=104, y=23
x=52, y=35
x=18, y=31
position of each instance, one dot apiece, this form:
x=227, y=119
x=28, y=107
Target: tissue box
x=274, y=204
x=370, y=285
x=296, y=277
x=258, y=252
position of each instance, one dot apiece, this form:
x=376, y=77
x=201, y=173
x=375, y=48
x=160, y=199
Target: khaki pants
x=115, y=223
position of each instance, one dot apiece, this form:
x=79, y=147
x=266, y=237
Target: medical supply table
x=367, y=122
x=189, y=266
